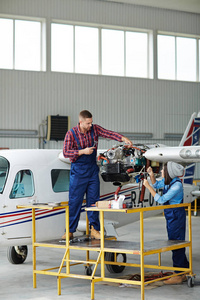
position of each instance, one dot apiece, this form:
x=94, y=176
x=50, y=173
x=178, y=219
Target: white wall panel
x=125, y=105
x=117, y=103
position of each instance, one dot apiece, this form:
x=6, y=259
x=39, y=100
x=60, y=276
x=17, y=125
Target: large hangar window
x=22, y=46
x=86, y=50
x=62, y=48
x=6, y=41
x=137, y=54
x=112, y=52
x=178, y=57
x=74, y=49
x=97, y=50
x=199, y=59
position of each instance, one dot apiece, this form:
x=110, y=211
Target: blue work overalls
x=84, y=179
x=176, y=224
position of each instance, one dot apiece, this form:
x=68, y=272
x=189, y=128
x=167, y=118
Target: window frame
x=42, y=41
x=181, y=35
x=110, y=27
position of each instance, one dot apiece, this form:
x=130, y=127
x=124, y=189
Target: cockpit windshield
x=4, y=169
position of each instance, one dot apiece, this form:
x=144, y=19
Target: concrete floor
x=16, y=280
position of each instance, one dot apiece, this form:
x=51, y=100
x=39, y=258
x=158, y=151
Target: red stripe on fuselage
x=24, y=218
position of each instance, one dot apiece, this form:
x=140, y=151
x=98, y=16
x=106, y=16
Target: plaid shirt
x=70, y=148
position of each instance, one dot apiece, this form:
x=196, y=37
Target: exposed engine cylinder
x=123, y=164
x=118, y=163
x=115, y=154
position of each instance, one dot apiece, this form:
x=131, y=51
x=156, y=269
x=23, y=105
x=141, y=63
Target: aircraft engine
x=122, y=164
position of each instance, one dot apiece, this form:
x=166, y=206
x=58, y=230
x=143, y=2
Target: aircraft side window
x=23, y=185
x=60, y=180
x=4, y=169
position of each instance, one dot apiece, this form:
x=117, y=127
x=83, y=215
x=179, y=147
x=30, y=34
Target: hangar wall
x=117, y=103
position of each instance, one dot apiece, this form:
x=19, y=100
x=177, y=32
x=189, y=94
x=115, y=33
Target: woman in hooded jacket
x=175, y=217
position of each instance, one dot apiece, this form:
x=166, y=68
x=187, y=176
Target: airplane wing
x=195, y=193
x=188, y=150
x=184, y=154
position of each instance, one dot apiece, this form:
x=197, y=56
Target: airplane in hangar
x=42, y=176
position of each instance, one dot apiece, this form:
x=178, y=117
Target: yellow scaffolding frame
x=195, y=209
x=106, y=245
x=142, y=251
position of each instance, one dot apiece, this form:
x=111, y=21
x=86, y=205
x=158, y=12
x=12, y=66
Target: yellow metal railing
x=103, y=246
x=142, y=251
x=195, y=209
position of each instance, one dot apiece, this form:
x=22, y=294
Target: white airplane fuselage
x=15, y=224
x=38, y=176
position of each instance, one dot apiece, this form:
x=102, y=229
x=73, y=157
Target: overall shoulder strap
x=169, y=186
x=177, y=180
x=77, y=140
x=92, y=134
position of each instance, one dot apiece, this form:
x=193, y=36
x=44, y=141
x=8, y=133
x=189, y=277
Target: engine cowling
x=120, y=163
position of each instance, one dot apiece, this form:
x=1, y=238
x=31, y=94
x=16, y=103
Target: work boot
x=95, y=234
x=70, y=236
x=174, y=280
x=184, y=278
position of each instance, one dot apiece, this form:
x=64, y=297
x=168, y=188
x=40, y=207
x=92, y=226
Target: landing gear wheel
x=17, y=254
x=190, y=281
x=88, y=270
x=120, y=257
